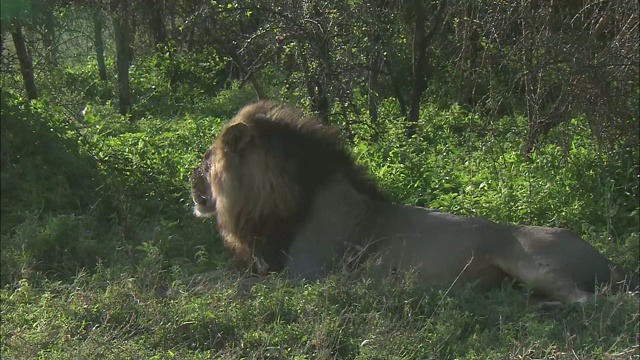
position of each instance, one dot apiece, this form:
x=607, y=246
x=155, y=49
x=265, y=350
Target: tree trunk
x=120, y=10
x=376, y=62
x=530, y=97
x=321, y=100
x=317, y=58
x=347, y=123
x=43, y=21
x=1, y=40
x=248, y=74
x=374, y=72
x=470, y=50
x=316, y=90
x=156, y=21
x=43, y=25
x=133, y=27
x=396, y=86
x=49, y=34
x=26, y=65
x=418, y=82
x=98, y=43
x=421, y=43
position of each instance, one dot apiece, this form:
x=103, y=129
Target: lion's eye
x=201, y=199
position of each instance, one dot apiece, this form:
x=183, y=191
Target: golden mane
x=268, y=162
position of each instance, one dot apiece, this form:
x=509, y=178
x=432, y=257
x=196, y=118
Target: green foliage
x=35, y=147
x=230, y=100
x=56, y=245
x=457, y=163
x=164, y=84
x=48, y=188
x=151, y=158
x=148, y=164
x=80, y=81
x=12, y=9
x=76, y=195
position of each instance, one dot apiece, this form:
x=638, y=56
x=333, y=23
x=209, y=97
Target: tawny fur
x=287, y=195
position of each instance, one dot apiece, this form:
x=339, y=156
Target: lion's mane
x=263, y=171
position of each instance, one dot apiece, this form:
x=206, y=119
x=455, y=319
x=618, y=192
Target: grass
x=142, y=314
x=99, y=246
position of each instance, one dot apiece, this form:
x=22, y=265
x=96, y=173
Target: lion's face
x=201, y=190
x=246, y=165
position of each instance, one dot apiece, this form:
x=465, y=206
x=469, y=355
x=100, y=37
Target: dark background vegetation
x=520, y=111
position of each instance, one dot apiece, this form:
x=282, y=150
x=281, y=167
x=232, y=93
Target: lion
x=287, y=194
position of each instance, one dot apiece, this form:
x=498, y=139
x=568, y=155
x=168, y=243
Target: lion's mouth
x=204, y=207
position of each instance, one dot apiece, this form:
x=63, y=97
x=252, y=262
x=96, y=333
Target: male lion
x=287, y=194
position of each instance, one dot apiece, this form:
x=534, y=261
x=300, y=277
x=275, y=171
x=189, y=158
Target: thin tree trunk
x=376, y=60
x=26, y=65
x=133, y=27
x=347, y=122
x=470, y=50
x=320, y=102
x=48, y=33
x=249, y=75
x=421, y=72
x=315, y=45
x=1, y=40
x=43, y=25
x=156, y=21
x=98, y=43
x=396, y=86
x=374, y=72
x=532, y=104
x=48, y=38
x=120, y=10
x=418, y=82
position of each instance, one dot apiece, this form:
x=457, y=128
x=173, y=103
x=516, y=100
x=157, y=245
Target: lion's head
x=260, y=175
x=201, y=192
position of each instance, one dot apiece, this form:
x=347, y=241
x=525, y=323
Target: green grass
x=99, y=245
x=144, y=314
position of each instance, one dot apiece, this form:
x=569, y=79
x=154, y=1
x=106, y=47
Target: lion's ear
x=236, y=137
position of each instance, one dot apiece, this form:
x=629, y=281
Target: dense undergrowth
x=99, y=243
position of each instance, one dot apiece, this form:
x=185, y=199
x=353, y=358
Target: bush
x=75, y=195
